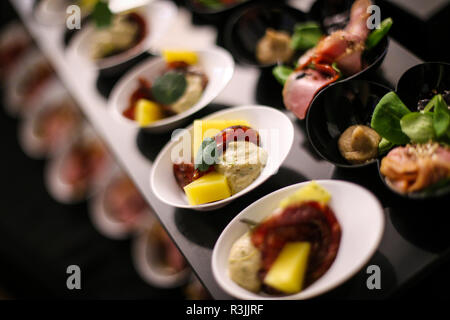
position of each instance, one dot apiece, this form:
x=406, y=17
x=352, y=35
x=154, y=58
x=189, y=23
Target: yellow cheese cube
x=186, y=56
x=209, y=128
x=288, y=271
x=311, y=192
x=211, y=187
x=147, y=112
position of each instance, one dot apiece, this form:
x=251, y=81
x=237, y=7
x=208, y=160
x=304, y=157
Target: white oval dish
x=158, y=15
x=362, y=221
x=146, y=263
x=15, y=102
x=30, y=142
x=13, y=34
x=277, y=141
x=217, y=64
x=102, y=220
x=62, y=191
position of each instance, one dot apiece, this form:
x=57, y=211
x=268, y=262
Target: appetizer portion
x=326, y=59
x=14, y=42
x=123, y=202
x=420, y=139
x=56, y=124
x=228, y=158
x=122, y=32
x=33, y=81
x=291, y=248
x=162, y=252
x=85, y=161
x=418, y=166
x=178, y=88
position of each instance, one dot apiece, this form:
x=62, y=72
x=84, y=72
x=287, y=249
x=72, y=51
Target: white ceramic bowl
x=15, y=102
x=159, y=16
x=217, y=64
x=12, y=34
x=362, y=221
x=276, y=133
x=59, y=189
x=103, y=221
x=147, y=263
x=31, y=143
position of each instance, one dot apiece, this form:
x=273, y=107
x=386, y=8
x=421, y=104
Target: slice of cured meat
x=359, y=15
x=343, y=47
x=301, y=87
x=308, y=221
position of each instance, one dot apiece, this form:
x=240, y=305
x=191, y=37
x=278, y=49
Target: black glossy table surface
x=411, y=245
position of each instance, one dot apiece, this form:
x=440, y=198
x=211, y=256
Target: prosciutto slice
x=343, y=47
x=416, y=167
x=358, y=19
x=301, y=87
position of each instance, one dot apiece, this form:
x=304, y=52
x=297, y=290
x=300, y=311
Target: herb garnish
x=397, y=125
x=306, y=35
x=386, y=118
x=207, y=155
x=281, y=73
x=169, y=87
x=102, y=15
x=378, y=34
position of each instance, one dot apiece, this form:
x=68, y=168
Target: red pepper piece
x=236, y=133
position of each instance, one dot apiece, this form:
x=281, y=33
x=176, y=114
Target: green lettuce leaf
x=386, y=119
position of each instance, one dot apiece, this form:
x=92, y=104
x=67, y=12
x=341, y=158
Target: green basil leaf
x=207, y=155
x=418, y=126
x=441, y=117
x=169, y=87
x=384, y=146
x=306, y=35
x=281, y=73
x=386, y=118
x=378, y=34
x=202, y=166
x=102, y=15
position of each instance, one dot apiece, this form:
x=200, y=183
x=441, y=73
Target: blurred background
x=108, y=232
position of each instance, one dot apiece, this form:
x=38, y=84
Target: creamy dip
x=244, y=263
x=241, y=164
x=119, y=36
x=274, y=47
x=359, y=144
x=191, y=95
